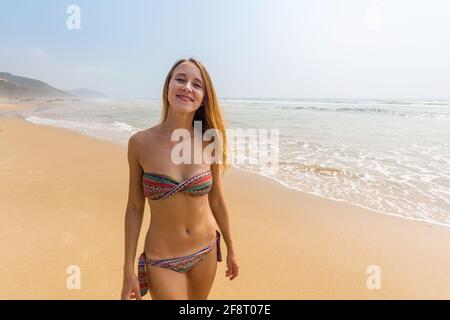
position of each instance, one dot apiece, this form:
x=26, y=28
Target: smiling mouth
x=184, y=98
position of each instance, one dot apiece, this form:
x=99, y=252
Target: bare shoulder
x=137, y=141
x=142, y=136
x=142, y=140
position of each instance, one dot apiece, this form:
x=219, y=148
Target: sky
x=383, y=49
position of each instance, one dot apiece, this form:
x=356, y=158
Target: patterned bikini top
x=157, y=186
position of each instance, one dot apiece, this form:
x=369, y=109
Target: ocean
x=391, y=156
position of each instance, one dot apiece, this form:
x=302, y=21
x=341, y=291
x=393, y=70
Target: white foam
x=318, y=194
x=114, y=131
x=366, y=168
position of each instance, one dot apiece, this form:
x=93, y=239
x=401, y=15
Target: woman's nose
x=187, y=86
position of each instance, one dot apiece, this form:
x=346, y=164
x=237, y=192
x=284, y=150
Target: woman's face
x=186, y=88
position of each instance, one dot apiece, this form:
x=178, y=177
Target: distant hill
x=12, y=86
x=88, y=94
x=11, y=90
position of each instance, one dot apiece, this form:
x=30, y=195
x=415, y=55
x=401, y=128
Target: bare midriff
x=179, y=226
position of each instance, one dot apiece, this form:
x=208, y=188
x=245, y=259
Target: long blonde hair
x=210, y=113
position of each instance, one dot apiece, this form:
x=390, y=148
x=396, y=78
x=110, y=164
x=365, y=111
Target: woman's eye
x=196, y=85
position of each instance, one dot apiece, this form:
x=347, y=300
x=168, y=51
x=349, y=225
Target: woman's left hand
x=232, y=265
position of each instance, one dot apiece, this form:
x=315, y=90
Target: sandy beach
x=14, y=106
x=62, y=202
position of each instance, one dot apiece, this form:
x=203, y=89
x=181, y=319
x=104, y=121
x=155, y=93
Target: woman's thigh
x=166, y=284
x=201, y=277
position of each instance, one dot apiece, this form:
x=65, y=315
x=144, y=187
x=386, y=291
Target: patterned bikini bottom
x=178, y=264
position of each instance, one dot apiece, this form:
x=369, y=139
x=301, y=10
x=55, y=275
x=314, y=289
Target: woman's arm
x=219, y=208
x=136, y=204
x=220, y=212
x=133, y=221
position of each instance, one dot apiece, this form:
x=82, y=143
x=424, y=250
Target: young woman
x=182, y=244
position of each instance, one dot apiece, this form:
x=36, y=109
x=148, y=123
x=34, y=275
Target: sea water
x=391, y=156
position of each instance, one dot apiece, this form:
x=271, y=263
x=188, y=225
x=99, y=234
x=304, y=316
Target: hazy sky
x=258, y=48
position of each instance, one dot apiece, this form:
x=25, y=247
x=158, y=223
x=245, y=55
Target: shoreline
x=21, y=106
x=290, y=244
x=373, y=211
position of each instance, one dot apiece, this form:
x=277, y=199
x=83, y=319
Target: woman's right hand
x=130, y=287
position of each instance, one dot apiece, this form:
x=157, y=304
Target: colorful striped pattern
x=142, y=275
x=179, y=264
x=157, y=186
